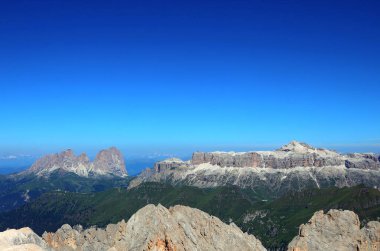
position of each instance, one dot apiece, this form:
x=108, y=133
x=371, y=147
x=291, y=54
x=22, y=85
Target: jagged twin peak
x=107, y=162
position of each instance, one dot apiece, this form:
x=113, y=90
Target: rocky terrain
x=183, y=228
x=294, y=154
x=151, y=228
x=23, y=239
x=107, y=162
x=293, y=167
x=336, y=230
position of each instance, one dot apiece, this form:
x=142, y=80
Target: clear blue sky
x=164, y=75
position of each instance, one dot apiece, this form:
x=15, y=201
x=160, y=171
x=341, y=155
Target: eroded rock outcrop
x=107, y=162
x=336, y=230
x=23, y=239
x=160, y=229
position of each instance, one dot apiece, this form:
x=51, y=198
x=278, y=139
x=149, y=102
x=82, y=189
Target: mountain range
x=267, y=194
x=293, y=167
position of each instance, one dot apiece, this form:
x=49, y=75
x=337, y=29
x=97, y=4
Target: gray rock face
x=363, y=161
x=293, y=167
x=336, y=230
x=160, y=229
x=275, y=182
x=169, y=164
x=250, y=159
x=107, y=162
x=266, y=160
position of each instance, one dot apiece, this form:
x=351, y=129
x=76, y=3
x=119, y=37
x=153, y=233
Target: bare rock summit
x=157, y=228
x=336, y=231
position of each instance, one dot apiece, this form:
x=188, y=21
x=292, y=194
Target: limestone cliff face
x=160, y=229
x=293, y=167
x=336, y=230
x=294, y=154
x=363, y=161
x=169, y=164
x=107, y=162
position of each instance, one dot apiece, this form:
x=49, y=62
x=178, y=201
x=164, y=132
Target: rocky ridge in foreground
x=183, y=228
x=293, y=167
x=107, y=162
x=151, y=228
x=158, y=228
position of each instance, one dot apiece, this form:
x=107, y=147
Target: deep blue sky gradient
x=169, y=75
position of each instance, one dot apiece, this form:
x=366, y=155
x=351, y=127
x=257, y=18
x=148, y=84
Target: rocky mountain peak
x=84, y=158
x=157, y=228
x=67, y=153
x=110, y=161
x=298, y=147
x=337, y=229
x=295, y=147
x=107, y=162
